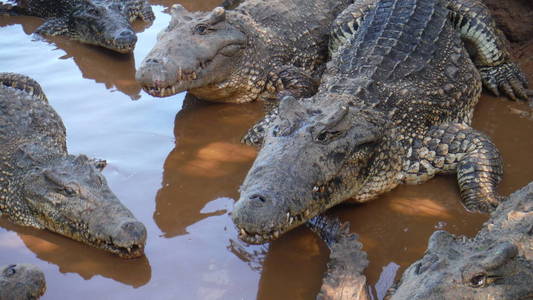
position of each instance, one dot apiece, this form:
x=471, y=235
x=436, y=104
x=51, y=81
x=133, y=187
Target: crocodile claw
x=506, y=78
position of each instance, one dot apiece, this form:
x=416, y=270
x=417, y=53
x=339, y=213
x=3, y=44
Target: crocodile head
x=195, y=50
x=311, y=160
x=21, y=281
x=106, y=23
x=458, y=268
x=70, y=196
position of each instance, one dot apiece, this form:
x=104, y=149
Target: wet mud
x=177, y=163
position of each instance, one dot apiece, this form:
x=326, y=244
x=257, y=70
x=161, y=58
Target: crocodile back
x=406, y=59
x=300, y=28
x=26, y=118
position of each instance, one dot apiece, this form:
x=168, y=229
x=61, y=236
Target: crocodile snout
x=125, y=39
x=129, y=233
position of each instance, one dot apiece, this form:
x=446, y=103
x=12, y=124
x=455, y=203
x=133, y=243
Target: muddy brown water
x=177, y=164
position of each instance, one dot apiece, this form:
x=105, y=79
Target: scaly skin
x=252, y=52
x=474, y=24
x=44, y=187
x=496, y=264
x=105, y=23
x=393, y=107
x=21, y=282
x=344, y=277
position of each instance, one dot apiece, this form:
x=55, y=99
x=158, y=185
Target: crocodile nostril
x=153, y=61
x=127, y=33
x=258, y=197
x=126, y=36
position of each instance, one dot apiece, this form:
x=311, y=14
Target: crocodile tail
x=23, y=83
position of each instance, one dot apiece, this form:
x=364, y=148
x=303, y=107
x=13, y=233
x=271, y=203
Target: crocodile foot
x=254, y=136
x=508, y=78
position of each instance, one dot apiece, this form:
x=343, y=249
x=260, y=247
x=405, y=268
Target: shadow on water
x=208, y=161
x=116, y=71
x=74, y=257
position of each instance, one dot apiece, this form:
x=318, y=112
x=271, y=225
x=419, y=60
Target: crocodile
x=44, y=187
x=393, y=107
x=252, y=52
x=105, y=23
x=21, y=282
x=496, y=264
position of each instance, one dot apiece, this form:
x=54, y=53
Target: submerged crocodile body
x=254, y=51
x=496, y=264
x=105, y=23
x=21, y=282
x=393, y=107
x=44, y=187
x=344, y=278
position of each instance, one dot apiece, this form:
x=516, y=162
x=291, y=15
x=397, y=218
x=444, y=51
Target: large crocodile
x=254, y=51
x=21, y=282
x=44, y=187
x=393, y=107
x=496, y=264
x=105, y=23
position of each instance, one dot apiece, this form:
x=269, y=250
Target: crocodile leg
x=476, y=26
x=139, y=9
x=23, y=83
x=457, y=148
x=293, y=82
x=344, y=277
x=347, y=23
x=254, y=136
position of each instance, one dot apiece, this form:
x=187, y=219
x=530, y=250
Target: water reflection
x=74, y=257
x=208, y=161
x=298, y=254
x=116, y=71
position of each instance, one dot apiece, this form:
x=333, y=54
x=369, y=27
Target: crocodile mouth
x=121, y=48
x=291, y=221
x=128, y=252
x=186, y=80
x=112, y=44
x=182, y=83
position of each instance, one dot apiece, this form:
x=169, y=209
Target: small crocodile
x=21, y=282
x=393, y=107
x=44, y=187
x=254, y=51
x=105, y=23
x=496, y=264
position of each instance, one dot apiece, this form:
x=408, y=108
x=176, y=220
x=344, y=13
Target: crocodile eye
x=10, y=271
x=70, y=191
x=201, y=29
x=479, y=280
x=326, y=136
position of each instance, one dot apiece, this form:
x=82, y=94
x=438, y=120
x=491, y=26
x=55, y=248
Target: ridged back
x=395, y=40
